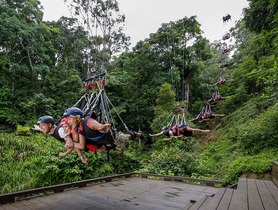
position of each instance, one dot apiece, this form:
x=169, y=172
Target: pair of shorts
x=121, y=139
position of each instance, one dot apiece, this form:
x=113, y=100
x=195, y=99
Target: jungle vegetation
x=43, y=66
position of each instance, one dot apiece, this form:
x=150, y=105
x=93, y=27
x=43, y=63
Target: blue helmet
x=74, y=111
x=46, y=119
x=182, y=125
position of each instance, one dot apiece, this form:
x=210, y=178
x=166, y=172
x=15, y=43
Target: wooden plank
x=254, y=200
x=213, y=202
x=37, y=204
x=59, y=200
x=50, y=201
x=7, y=207
x=199, y=203
x=226, y=199
x=18, y=205
x=275, y=173
x=29, y=205
x=233, y=201
x=268, y=201
x=240, y=200
x=170, y=195
x=273, y=189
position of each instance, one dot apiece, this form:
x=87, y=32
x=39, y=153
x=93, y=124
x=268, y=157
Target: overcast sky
x=144, y=17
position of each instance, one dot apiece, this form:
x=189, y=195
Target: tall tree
x=181, y=47
x=23, y=46
x=104, y=25
x=31, y=52
x=257, y=52
x=261, y=15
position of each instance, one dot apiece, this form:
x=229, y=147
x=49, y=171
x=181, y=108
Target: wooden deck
x=251, y=194
x=149, y=191
x=129, y=193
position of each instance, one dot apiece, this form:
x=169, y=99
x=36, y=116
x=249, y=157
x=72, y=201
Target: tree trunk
x=186, y=92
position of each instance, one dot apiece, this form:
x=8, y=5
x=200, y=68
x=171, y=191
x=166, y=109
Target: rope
x=117, y=114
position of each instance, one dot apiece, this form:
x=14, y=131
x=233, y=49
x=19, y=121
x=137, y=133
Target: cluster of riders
x=80, y=132
x=181, y=131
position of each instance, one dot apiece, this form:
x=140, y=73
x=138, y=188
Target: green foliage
x=30, y=162
x=174, y=160
x=254, y=164
x=261, y=15
x=246, y=144
x=270, y=95
x=23, y=130
x=213, y=159
x=260, y=132
x=15, y=153
x=244, y=112
x=245, y=68
x=165, y=101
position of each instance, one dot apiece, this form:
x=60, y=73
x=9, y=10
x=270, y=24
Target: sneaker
x=142, y=137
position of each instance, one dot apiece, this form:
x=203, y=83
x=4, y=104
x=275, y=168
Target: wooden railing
x=12, y=197
x=206, y=182
x=275, y=173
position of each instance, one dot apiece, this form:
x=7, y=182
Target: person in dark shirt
x=95, y=133
x=185, y=131
x=59, y=132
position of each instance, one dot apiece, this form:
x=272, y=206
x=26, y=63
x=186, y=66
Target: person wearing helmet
x=47, y=125
x=164, y=131
x=174, y=133
x=95, y=134
x=69, y=144
x=185, y=131
x=73, y=111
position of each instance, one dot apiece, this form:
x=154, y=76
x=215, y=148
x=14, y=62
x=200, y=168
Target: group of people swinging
x=181, y=131
x=80, y=132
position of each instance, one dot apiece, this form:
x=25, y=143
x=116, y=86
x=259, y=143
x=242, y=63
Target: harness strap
x=96, y=138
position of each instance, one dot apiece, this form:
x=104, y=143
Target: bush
x=171, y=160
x=261, y=132
x=257, y=164
x=31, y=162
x=23, y=130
